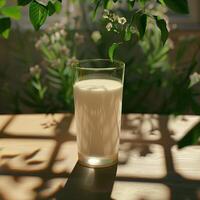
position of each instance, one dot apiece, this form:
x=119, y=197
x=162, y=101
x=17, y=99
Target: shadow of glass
x=89, y=184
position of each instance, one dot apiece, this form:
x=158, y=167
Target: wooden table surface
x=38, y=160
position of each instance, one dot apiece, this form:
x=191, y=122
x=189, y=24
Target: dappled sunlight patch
x=5, y=121
x=130, y=134
x=180, y=125
x=19, y=188
x=150, y=165
x=135, y=191
x=146, y=161
x=41, y=125
x=51, y=187
x=186, y=162
x=141, y=127
x=25, y=155
x=66, y=158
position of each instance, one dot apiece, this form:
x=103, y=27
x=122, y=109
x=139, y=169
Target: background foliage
x=135, y=31
x=150, y=72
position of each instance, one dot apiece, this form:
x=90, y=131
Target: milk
x=98, y=117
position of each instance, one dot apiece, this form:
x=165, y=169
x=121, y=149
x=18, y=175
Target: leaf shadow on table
x=139, y=134
x=16, y=168
x=144, y=137
x=89, y=183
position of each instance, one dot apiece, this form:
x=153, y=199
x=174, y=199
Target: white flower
x=65, y=50
x=35, y=70
x=45, y=39
x=37, y=44
x=106, y=12
x=194, y=79
x=105, y=16
x=56, y=25
x=109, y=26
x=115, y=17
x=63, y=32
x=57, y=36
x=56, y=63
x=96, y=36
x=53, y=39
x=122, y=20
x=79, y=38
x=72, y=61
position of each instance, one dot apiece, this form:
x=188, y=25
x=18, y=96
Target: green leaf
x=53, y=80
x=2, y=3
x=23, y=2
x=42, y=92
x=13, y=12
x=97, y=2
x=180, y=6
x=53, y=72
x=105, y=3
x=112, y=49
x=190, y=69
x=36, y=85
x=163, y=29
x=128, y=34
x=131, y=3
x=142, y=2
x=191, y=138
x=58, y=6
x=5, y=24
x=160, y=2
x=141, y=23
x=51, y=8
x=38, y=14
x=194, y=79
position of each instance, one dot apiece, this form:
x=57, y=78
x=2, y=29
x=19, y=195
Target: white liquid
x=98, y=117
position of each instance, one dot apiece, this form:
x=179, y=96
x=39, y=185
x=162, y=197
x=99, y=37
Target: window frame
x=190, y=21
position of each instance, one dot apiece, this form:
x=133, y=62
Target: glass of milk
x=98, y=100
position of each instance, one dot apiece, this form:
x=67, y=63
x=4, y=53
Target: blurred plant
x=36, y=91
x=17, y=53
x=50, y=86
x=152, y=74
x=148, y=68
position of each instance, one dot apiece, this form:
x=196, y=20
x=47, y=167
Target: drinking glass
x=98, y=100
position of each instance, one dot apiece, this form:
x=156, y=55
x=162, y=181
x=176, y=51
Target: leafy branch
x=141, y=16
x=38, y=13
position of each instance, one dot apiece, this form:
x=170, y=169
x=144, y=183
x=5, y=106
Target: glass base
x=97, y=161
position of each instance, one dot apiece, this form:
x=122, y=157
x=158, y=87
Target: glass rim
x=120, y=64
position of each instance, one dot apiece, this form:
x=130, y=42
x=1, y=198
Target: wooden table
x=38, y=158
